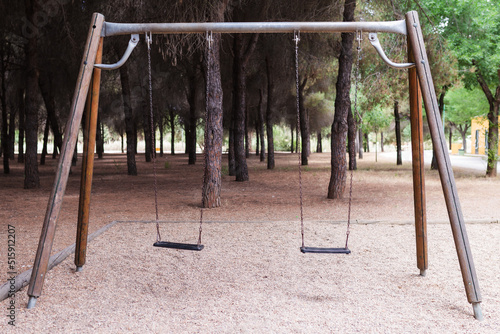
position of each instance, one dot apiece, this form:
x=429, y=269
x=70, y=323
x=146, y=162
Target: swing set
x=421, y=86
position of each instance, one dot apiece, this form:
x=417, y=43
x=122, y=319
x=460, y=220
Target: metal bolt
x=423, y=61
x=85, y=63
x=415, y=25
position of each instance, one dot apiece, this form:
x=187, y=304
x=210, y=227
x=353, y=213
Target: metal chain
x=296, y=38
x=356, y=78
x=205, y=156
x=148, y=42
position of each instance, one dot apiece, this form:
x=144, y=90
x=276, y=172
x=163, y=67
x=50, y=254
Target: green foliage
x=376, y=119
x=472, y=29
x=167, y=165
x=462, y=104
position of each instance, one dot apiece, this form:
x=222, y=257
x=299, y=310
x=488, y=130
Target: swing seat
x=176, y=245
x=325, y=250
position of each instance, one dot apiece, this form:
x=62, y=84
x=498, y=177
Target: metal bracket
x=134, y=39
x=376, y=44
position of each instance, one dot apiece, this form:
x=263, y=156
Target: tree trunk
x=257, y=138
x=74, y=160
x=242, y=51
x=129, y=121
x=261, y=127
x=247, y=137
x=99, y=138
x=304, y=126
x=269, y=117
x=342, y=106
x=291, y=136
x=20, y=156
x=464, y=139
x=230, y=156
x=45, y=140
x=12, y=132
x=397, y=121
x=46, y=88
x=381, y=141
x=450, y=136
x=146, y=127
x=319, y=144
x=160, y=128
x=367, y=143
x=31, y=175
x=212, y=174
x=351, y=139
x=434, y=164
x=491, y=169
x=122, y=142
x=5, y=136
x=360, y=144
x=172, y=131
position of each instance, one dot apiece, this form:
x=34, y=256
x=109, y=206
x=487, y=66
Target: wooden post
x=417, y=148
x=89, y=138
x=444, y=165
x=70, y=136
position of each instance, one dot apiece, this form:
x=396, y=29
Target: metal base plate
x=325, y=250
x=176, y=245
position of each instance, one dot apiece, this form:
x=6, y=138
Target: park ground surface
x=251, y=276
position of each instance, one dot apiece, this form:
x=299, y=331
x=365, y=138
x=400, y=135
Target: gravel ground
x=251, y=276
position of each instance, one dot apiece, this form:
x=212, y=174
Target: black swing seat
x=176, y=245
x=325, y=250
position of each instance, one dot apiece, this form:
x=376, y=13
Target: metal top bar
x=113, y=29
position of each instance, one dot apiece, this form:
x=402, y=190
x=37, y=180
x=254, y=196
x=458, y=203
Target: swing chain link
x=359, y=38
x=149, y=40
x=296, y=39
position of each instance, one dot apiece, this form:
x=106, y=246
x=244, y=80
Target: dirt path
x=251, y=276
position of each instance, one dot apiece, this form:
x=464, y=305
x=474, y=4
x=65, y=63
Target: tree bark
x=319, y=144
x=212, y=174
x=242, y=51
x=261, y=127
x=397, y=121
x=337, y=183
x=46, y=88
x=230, y=156
x=351, y=139
x=129, y=121
x=269, y=116
x=367, y=143
x=360, y=144
x=304, y=126
x=381, y=141
x=172, y=131
x=257, y=138
x=12, y=132
x=160, y=128
x=20, y=156
x=45, y=140
x=494, y=102
x=99, y=147
x=31, y=175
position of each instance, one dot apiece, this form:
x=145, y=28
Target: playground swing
x=159, y=243
x=421, y=87
x=325, y=250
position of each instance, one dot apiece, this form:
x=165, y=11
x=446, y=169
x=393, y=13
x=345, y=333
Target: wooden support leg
x=89, y=135
x=417, y=148
x=444, y=165
x=70, y=136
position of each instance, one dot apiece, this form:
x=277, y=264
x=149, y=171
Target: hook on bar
x=296, y=37
x=376, y=44
x=210, y=39
x=134, y=39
